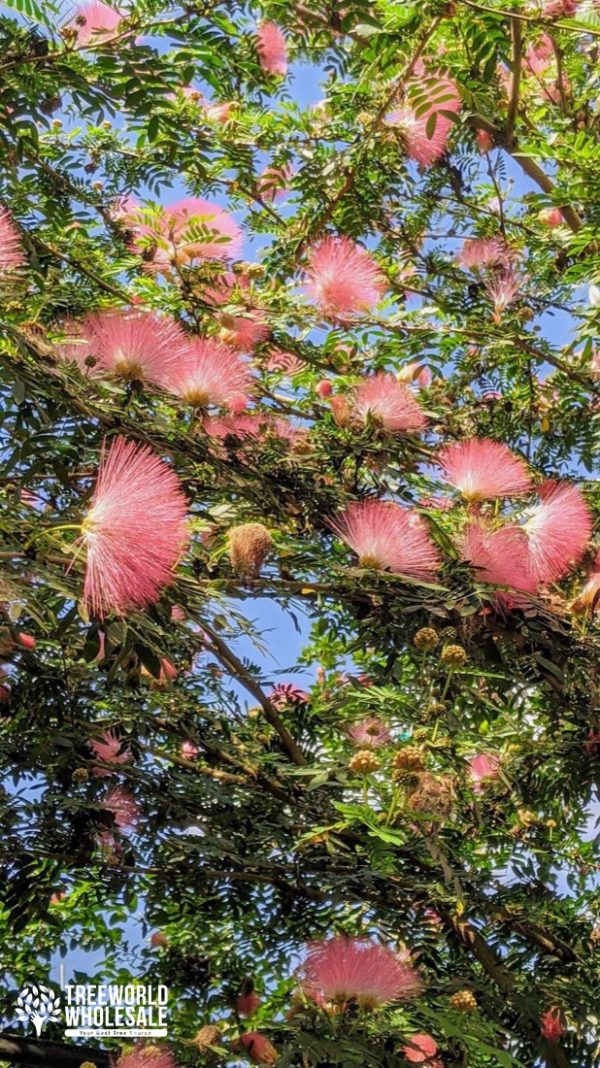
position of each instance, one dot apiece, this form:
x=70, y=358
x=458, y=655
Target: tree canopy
x=336, y=357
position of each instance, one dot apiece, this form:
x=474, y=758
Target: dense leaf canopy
x=325, y=297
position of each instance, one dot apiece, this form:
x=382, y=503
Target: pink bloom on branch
x=284, y=693
x=342, y=278
x=207, y=373
x=551, y=1024
x=356, y=969
x=184, y=232
x=108, y=749
x=12, y=256
x=383, y=535
x=420, y=1049
x=138, y=346
x=123, y=808
x=273, y=182
x=95, y=22
x=146, y=1056
x=370, y=733
x=188, y=750
x=135, y=530
x=502, y=288
x=389, y=404
x=259, y=1048
x=272, y=49
x=559, y=9
x=422, y=122
x=482, y=252
x=244, y=332
x=482, y=469
x=558, y=530
x=540, y=55
x=500, y=557
x=483, y=767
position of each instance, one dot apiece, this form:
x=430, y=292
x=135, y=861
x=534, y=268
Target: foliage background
x=288, y=845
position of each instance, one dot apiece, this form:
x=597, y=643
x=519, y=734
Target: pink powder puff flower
x=551, y=1024
x=272, y=49
x=500, y=557
x=144, y=1055
x=207, y=373
x=244, y=332
x=273, y=182
x=482, y=252
x=482, y=469
x=135, y=529
x=502, y=287
x=287, y=693
x=75, y=349
x=179, y=235
x=123, y=807
x=483, y=767
x=540, y=55
x=108, y=749
x=370, y=733
x=188, y=750
x=386, y=536
x=136, y=346
x=342, y=278
x=558, y=530
x=95, y=22
x=12, y=256
x=560, y=9
x=389, y=404
x=420, y=1049
x=344, y=969
x=219, y=112
x=242, y=426
x=425, y=143
x=551, y=217
x=259, y=1048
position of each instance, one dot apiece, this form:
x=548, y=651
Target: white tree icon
x=38, y=1004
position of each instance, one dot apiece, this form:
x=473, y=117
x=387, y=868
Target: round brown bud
x=80, y=775
x=595, y=935
x=464, y=1001
x=206, y=1037
x=364, y=762
x=435, y=708
x=433, y=795
x=249, y=546
x=453, y=656
x=426, y=638
x=411, y=758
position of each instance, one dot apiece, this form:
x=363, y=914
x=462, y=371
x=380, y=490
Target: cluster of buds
x=364, y=762
x=464, y=1001
x=407, y=763
x=433, y=795
x=453, y=656
x=426, y=639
